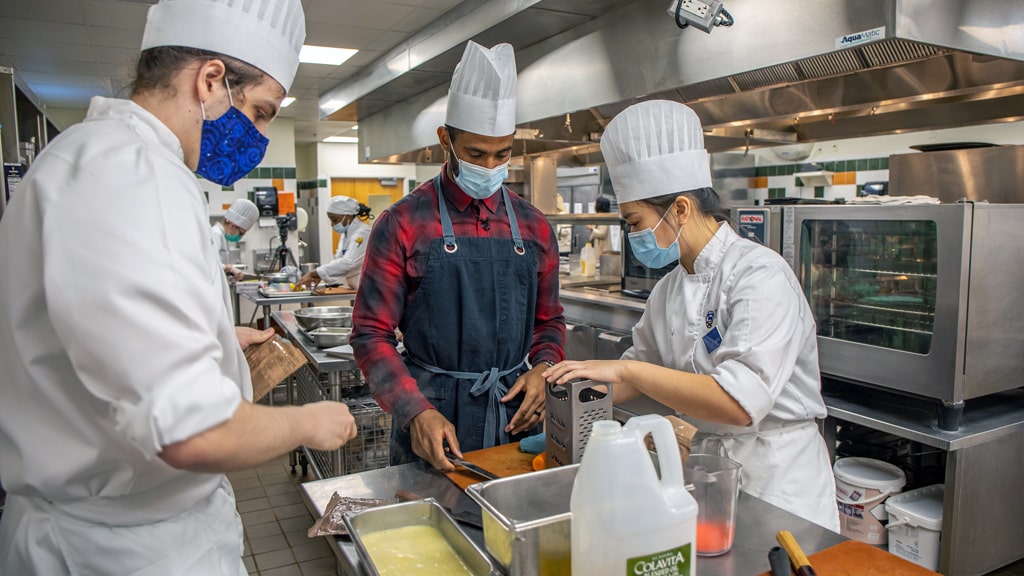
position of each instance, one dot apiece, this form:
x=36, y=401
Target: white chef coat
x=115, y=341
x=220, y=242
x=347, y=265
x=767, y=361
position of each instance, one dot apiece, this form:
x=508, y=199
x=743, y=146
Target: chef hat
x=242, y=213
x=342, y=206
x=267, y=34
x=655, y=148
x=482, y=97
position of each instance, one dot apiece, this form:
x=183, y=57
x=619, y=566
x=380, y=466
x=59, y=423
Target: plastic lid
x=870, y=473
x=922, y=507
x=605, y=428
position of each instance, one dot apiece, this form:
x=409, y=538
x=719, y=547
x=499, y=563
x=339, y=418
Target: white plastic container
x=624, y=519
x=862, y=485
x=588, y=260
x=915, y=525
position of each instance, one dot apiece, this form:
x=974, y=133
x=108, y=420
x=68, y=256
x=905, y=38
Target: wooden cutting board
x=333, y=291
x=503, y=461
x=854, y=558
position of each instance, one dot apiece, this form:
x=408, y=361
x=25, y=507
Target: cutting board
x=503, y=461
x=854, y=558
x=333, y=291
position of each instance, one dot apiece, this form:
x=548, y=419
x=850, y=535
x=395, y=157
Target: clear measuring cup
x=716, y=485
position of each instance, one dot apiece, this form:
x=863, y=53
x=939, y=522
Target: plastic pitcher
x=716, y=486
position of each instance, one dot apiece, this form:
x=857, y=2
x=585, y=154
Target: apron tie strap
x=495, y=419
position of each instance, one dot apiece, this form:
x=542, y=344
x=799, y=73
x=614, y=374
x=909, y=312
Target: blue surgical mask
x=645, y=247
x=232, y=237
x=340, y=228
x=479, y=182
x=231, y=146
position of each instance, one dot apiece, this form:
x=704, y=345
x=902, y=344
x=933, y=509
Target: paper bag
x=271, y=362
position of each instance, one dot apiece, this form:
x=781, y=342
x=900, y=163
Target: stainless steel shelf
x=984, y=419
x=883, y=326
x=890, y=272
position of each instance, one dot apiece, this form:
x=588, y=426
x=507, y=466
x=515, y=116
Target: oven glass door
x=872, y=281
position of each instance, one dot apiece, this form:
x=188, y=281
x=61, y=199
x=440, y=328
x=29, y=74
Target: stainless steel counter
x=321, y=361
x=342, y=377
x=603, y=310
x=756, y=524
x=268, y=303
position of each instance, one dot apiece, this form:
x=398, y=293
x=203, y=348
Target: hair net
x=482, y=97
x=265, y=33
x=655, y=148
x=343, y=205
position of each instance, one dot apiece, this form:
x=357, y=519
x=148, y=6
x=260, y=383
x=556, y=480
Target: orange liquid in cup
x=713, y=537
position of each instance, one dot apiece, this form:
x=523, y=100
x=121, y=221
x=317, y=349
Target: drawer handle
x=612, y=337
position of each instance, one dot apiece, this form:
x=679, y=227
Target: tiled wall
x=311, y=184
x=848, y=177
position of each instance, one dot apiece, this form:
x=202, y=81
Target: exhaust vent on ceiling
x=770, y=76
x=897, y=52
x=832, y=64
x=708, y=89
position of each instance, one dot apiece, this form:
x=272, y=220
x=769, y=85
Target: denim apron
x=468, y=331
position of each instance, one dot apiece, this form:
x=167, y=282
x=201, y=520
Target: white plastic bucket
x=862, y=485
x=915, y=525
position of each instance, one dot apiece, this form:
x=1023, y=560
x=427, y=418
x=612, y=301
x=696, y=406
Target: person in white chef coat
x=350, y=219
x=727, y=338
x=238, y=219
x=125, y=392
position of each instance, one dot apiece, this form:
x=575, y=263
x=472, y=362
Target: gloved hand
x=533, y=444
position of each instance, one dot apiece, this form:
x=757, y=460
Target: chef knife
x=471, y=467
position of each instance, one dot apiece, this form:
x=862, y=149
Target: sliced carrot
x=538, y=462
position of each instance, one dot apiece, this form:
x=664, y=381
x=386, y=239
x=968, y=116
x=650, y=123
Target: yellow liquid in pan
x=420, y=550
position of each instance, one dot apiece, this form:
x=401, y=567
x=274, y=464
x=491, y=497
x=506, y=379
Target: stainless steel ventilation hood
x=788, y=71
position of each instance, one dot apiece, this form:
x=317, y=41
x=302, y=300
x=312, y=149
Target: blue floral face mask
x=231, y=146
x=476, y=181
x=645, y=247
x=232, y=237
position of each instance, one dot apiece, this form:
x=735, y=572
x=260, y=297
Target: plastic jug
x=625, y=521
x=588, y=260
x=716, y=486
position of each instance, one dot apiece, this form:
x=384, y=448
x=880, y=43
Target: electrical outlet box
x=701, y=14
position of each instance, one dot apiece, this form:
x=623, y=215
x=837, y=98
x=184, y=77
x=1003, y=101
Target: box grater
x=572, y=410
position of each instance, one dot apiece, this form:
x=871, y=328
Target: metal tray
x=426, y=512
x=527, y=520
x=285, y=294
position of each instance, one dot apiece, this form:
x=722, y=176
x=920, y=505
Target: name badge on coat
x=712, y=340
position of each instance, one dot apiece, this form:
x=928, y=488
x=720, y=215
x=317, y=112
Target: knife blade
x=471, y=467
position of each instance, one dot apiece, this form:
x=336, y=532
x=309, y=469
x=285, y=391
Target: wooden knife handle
x=801, y=565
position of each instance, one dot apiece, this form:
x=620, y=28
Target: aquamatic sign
x=861, y=37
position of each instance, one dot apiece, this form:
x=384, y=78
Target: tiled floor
x=276, y=522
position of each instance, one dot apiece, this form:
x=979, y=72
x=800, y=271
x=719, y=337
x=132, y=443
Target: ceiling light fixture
x=325, y=55
x=354, y=127
x=287, y=101
x=342, y=140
